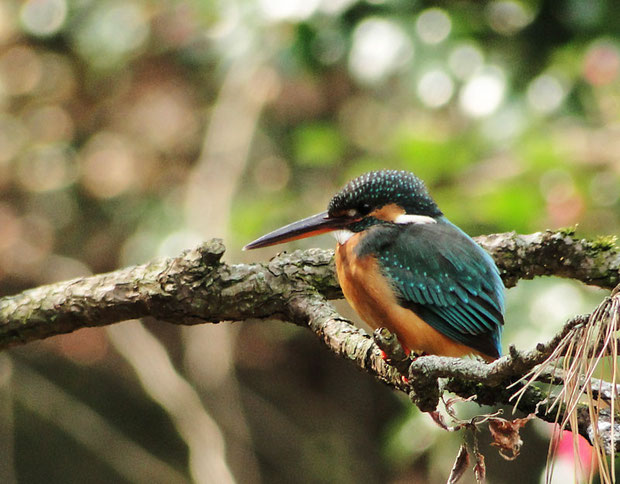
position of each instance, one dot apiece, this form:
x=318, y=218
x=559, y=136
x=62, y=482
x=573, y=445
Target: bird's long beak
x=308, y=227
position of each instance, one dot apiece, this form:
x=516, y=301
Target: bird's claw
x=392, y=351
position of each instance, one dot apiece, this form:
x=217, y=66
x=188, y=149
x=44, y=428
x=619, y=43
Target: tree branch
x=198, y=287
x=554, y=253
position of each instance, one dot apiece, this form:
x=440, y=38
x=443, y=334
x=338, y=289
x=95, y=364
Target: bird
x=402, y=265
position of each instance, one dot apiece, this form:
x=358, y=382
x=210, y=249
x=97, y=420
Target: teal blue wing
x=442, y=275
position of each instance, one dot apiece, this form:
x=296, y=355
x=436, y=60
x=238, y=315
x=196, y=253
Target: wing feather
x=442, y=275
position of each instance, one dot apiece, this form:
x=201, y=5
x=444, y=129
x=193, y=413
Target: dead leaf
x=506, y=436
x=439, y=420
x=480, y=469
x=460, y=465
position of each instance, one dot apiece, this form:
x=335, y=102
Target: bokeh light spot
x=433, y=26
x=46, y=167
x=20, y=70
x=163, y=116
x=60, y=78
x=7, y=24
x=508, y=16
x=380, y=47
x=465, y=60
x=48, y=124
x=564, y=203
x=288, y=9
x=108, y=165
x=505, y=124
x=545, y=93
x=111, y=32
x=602, y=63
x=483, y=93
x=13, y=135
x=43, y=17
x=435, y=88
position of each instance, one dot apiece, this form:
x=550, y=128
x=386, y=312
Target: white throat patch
x=414, y=219
x=342, y=235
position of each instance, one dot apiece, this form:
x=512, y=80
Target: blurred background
x=134, y=129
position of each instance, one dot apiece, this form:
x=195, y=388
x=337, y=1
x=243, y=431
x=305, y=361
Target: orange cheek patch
x=388, y=212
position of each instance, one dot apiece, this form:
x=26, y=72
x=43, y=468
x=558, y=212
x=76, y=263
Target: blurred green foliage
x=112, y=112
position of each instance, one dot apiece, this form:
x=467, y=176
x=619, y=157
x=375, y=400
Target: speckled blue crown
x=378, y=188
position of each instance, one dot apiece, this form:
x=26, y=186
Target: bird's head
x=386, y=196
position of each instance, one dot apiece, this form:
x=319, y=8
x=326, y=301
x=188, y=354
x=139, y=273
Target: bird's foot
x=392, y=352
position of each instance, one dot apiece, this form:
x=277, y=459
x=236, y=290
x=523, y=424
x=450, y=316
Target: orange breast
x=371, y=295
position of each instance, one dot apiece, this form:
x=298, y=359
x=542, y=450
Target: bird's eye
x=364, y=209
x=360, y=211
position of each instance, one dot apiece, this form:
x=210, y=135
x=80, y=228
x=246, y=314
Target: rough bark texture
x=197, y=287
x=558, y=253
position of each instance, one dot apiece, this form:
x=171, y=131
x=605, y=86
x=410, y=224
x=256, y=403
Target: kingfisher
x=404, y=266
